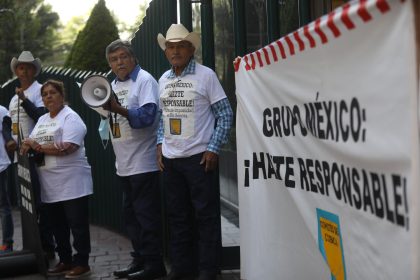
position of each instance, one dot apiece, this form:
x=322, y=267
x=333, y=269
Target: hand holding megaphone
x=112, y=104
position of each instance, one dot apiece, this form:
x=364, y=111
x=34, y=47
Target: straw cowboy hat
x=26, y=57
x=177, y=33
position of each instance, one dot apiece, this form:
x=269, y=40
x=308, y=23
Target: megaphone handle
x=111, y=121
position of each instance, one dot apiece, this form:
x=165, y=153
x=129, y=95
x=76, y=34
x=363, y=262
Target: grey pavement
x=111, y=250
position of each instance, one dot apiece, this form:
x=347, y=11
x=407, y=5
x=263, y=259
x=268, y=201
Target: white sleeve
x=37, y=100
x=214, y=89
x=148, y=92
x=3, y=112
x=74, y=130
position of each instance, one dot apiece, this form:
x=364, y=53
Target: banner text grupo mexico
x=328, y=148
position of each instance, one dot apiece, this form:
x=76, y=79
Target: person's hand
x=28, y=144
x=32, y=143
x=11, y=146
x=210, y=160
x=159, y=157
x=111, y=105
x=20, y=93
x=24, y=148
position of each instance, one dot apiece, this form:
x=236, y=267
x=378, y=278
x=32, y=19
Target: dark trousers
x=5, y=211
x=44, y=224
x=71, y=215
x=142, y=216
x=192, y=203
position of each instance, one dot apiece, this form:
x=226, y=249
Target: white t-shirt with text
x=186, y=108
x=69, y=176
x=33, y=93
x=135, y=149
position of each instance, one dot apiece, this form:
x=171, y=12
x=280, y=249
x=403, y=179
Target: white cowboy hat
x=177, y=33
x=26, y=57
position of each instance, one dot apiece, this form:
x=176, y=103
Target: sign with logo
x=328, y=156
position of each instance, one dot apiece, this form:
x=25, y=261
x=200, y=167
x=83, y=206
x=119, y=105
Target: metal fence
x=107, y=199
x=106, y=202
x=159, y=16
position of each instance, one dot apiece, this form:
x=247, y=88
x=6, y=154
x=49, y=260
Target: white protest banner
x=327, y=149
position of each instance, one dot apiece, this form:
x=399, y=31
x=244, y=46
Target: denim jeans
x=5, y=211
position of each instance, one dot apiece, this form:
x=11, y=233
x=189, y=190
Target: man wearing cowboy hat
x=195, y=122
x=25, y=108
x=28, y=96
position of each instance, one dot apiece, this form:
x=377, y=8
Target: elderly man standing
x=134, y=123
x=196, y=118
x=25, y=108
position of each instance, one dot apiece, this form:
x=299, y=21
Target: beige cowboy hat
x=26, y=57
x=177, y=33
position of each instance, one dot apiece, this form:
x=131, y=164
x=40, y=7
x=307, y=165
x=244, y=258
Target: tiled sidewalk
x=111, y=251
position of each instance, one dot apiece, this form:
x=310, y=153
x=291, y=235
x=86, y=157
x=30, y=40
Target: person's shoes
x=59, y=269
x=207, y=275
x=133, y=267
x=180, y=276
x=6, y=248
x=78, y=272
x=149, y=273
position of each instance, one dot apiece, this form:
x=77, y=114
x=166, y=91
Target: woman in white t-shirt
x=58, y=135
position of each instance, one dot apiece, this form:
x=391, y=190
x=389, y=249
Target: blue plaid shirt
x=190, y=69
x=221, y=111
